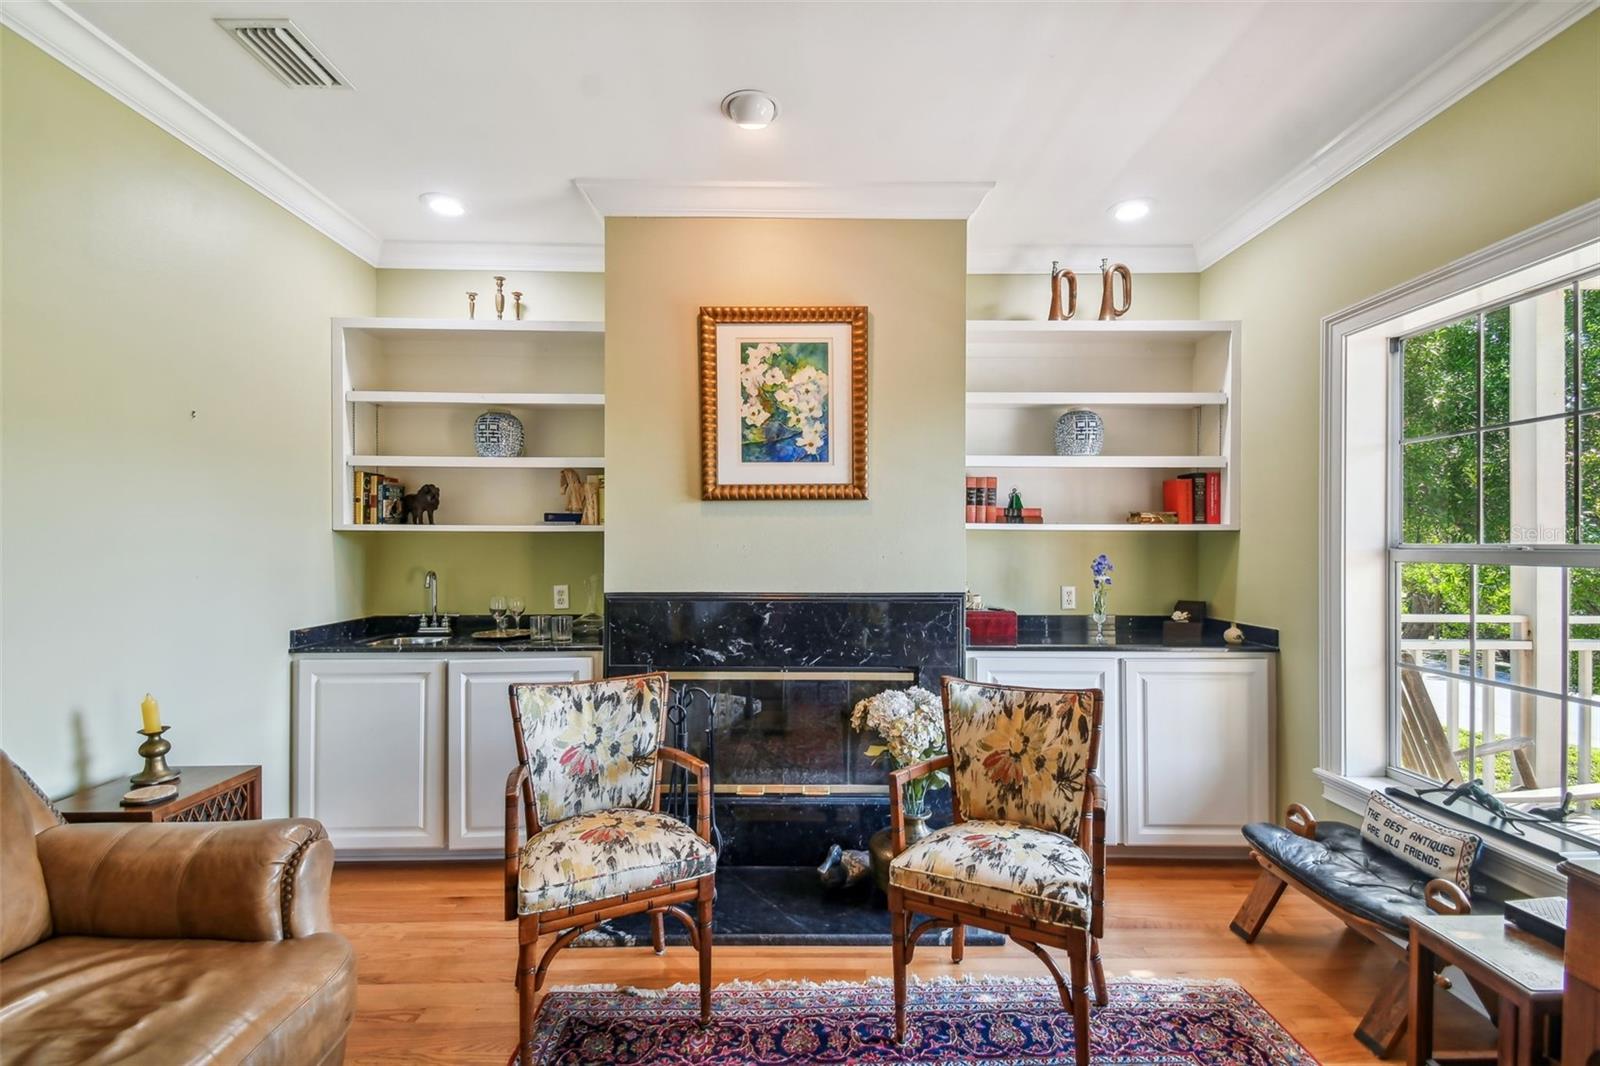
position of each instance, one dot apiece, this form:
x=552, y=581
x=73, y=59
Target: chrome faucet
x=432, y=621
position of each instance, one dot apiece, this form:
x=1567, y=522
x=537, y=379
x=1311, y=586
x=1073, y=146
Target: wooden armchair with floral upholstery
x=1025, y=853
x=598, y=847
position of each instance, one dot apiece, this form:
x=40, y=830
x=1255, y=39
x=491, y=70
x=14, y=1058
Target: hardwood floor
x=436, y=959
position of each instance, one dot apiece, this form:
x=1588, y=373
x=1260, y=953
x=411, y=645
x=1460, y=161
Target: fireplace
x=766, y=685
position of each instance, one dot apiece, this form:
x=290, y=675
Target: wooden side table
x=1523, y=971
x=1580, y=1029
x=205, y=794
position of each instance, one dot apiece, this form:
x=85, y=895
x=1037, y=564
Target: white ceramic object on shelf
x=498, y=435
x=1080, y=432
x=1233, y=634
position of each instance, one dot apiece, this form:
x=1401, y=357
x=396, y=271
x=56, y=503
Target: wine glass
x=497, y=608
x=515, y=606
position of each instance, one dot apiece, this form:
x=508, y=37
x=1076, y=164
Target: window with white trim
x=1494, y=550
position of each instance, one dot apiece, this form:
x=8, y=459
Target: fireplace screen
x=783, y=732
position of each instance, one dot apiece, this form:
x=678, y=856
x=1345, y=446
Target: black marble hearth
x=768, y=683
x=779, y=906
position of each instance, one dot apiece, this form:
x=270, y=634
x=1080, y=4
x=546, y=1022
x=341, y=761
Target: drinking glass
x=515, y=606
x=497, y=609
x=539, y=629
x=561, y=628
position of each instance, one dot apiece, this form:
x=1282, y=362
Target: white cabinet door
x=1198, y=741
x=1068, y=670
x=483, y=749
x=369, y=750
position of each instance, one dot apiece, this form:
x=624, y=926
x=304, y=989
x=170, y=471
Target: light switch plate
x=559, y=594
x=1069, y=597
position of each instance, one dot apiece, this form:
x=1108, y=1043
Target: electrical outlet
x=1069, y=597
x=560, y=596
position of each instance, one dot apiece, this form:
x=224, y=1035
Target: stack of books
x=1195, y=498
x=983, y=505
x=376, y=500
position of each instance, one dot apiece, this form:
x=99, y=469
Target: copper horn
x=1056, y=274
x=1108, y=303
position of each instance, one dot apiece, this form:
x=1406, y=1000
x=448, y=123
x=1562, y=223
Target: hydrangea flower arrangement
x=1101, y=570
x=911, y=723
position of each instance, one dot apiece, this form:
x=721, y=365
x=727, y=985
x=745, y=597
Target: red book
x=972, y=499
x=1214, y=497
x=1178, y=495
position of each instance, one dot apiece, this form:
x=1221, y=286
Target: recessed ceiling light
x=750, y=109
x=443, y=204
x=1130, y=210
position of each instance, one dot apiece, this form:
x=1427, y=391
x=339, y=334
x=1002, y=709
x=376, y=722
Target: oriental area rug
x=952, y=1022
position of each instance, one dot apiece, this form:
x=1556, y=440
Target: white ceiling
x=1226, y=115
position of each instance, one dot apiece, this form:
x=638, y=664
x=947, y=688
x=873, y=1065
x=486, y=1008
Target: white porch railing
x=1450, y=653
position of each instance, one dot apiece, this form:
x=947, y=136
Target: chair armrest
x=517, y=781
x=898, y=779
x=202, y=880
x=1095, y=833
x=701, y=773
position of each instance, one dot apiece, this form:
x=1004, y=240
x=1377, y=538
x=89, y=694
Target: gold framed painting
x=783, y=403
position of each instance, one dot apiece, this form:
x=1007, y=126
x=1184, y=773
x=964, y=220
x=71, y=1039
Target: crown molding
x=1491, y=50
x=484, y=255
x=783, y=199
x=65, y=36
x=1081, y=258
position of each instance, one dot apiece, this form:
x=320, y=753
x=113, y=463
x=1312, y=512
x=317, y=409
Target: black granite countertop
x=1072, y=632
x=355, y=636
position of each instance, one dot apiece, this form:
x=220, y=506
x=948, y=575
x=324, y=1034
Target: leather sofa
x=167, y=943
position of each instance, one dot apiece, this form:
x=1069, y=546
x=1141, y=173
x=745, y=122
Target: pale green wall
x=907, y=537
x=1025, y=571
x=1520, y=150
x=165, y=439
x=474, y=566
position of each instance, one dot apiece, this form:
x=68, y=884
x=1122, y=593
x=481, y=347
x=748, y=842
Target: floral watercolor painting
x=783, y=401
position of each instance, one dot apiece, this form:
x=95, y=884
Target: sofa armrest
x=206, y=880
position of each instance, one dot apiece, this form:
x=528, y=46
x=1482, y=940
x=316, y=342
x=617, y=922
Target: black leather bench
x=1368, y=889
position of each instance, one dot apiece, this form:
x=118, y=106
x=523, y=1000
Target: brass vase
x=881, y=847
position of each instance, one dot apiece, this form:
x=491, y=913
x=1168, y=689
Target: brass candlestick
x=517, y=296
x=499, y=296
x=472, y=305
x=154, y=749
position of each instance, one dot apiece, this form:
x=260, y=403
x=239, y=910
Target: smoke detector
x=283, y=48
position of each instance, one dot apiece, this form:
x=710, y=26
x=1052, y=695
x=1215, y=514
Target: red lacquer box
x=991, y=627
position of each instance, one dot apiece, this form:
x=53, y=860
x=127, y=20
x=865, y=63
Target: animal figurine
x=423, y=502
x=1058, y=273
x=573, y=488
x=1108, y=303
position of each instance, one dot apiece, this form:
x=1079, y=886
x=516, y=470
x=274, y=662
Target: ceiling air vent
x=284, y=49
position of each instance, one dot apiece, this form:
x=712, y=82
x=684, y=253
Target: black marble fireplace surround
x=783, y=673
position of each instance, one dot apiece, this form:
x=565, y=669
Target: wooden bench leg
x=1385, y=1022
x=1257, y=906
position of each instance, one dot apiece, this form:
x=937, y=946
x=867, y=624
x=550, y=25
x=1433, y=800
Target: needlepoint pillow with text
x=1435, y=849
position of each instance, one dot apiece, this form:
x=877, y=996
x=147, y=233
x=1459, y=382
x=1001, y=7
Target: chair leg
x=1079, y=956
x=703, y=932
x=658, y=932
x=897, y=934
x=1257, y=907
x=1097, y=974
x=958, y=942
x=527, y=995
x=1385, y=1021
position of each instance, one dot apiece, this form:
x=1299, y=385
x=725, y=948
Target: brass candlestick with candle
x=155, y=747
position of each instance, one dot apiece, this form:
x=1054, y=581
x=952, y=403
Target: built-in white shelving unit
x=406, y=396
x=1168, y=393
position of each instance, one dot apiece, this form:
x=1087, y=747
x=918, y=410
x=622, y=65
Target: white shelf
x=1096, y=399
x=395, y=397
x=1098, y=527
x=412, y=327
x=993, y=331
x=478, y=462
x=539, y=527
x=1090, y=462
